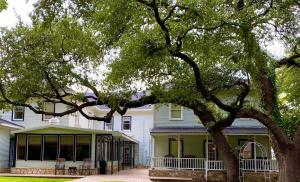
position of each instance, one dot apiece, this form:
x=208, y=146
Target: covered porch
x=193, y=149
x=37, y=150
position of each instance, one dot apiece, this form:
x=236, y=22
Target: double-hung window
x=126, y=123
x=175, y=112
x=110, y=125
x=50, y=108
x=18, y=113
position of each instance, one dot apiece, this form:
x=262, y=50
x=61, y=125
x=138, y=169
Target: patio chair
x=86, y=166
x=60, y=165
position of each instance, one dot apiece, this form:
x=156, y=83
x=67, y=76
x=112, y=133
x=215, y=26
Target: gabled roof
x=9, y=124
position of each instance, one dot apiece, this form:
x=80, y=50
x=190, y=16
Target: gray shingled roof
x=202, y=130
x=9, y=123
x=134, y=97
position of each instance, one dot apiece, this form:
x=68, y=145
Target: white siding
x=32, y=119
x=141, y=125
x=4, y=147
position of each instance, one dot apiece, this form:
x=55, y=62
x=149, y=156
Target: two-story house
x=181, y=142
x=38, y=140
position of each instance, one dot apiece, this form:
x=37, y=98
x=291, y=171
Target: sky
x=22, y=9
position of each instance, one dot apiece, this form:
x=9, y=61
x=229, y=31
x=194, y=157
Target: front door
x=127, y=154
x=173, y=150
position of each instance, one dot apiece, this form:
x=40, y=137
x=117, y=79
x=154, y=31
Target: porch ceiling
x=203, y=131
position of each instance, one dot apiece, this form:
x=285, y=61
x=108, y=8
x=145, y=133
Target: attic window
x=175, y=112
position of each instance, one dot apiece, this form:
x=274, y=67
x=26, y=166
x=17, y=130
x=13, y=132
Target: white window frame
x=44, y=115
x=175, y=119
x=215, y=151
x=111, y=123
x=130, y=127
x=13, y=114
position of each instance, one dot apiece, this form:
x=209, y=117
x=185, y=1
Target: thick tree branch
x=266, y=120
x=199, y=83
x=290, y=61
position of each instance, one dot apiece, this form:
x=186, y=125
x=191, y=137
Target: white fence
x=215, y=165
x=259, y=165
x=186, y=163
x=178, y=163
x=211, y=165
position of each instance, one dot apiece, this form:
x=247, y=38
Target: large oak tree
x=208, y=56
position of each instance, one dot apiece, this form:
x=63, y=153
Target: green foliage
x=28, y=179
x=28, y=54
x=289, y=98
x=71, y=39
x=3, y=5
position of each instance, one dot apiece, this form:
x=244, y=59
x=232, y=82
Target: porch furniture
x=86, y=166
x=72, y=170
x=60, y=165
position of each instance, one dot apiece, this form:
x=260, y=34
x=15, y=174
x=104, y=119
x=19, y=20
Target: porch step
x=152, y=178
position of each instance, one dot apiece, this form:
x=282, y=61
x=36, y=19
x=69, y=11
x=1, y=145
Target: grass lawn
x=28, y=179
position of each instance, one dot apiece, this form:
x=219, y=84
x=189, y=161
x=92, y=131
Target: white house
x=5, y=128
x=41, y=139
x=182, y=147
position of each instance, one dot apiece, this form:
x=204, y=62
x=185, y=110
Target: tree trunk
x=289, y=166
x=289, y=160
x=231, y=161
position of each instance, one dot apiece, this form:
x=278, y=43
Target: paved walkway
x=129, y=175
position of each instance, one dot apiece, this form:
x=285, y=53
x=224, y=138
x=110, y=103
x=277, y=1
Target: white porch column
x=254, y=148
x=178, y=146
x=206, y=155
x=152, y=151
x=178, y=151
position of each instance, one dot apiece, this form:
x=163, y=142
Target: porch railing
x=178, y=163
x=211, y=165
x=259, y=165
x=215, y=165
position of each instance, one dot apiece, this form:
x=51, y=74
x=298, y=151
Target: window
x=50, y=147
x=247, y=149
x=82, y=147
x=126, y=123
x=34, y=147
x=18, y=113
x=21, y=148
x=66, y=147
x=70, y=147
x=48, y=107
x=110, y=125
x=176, y=112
